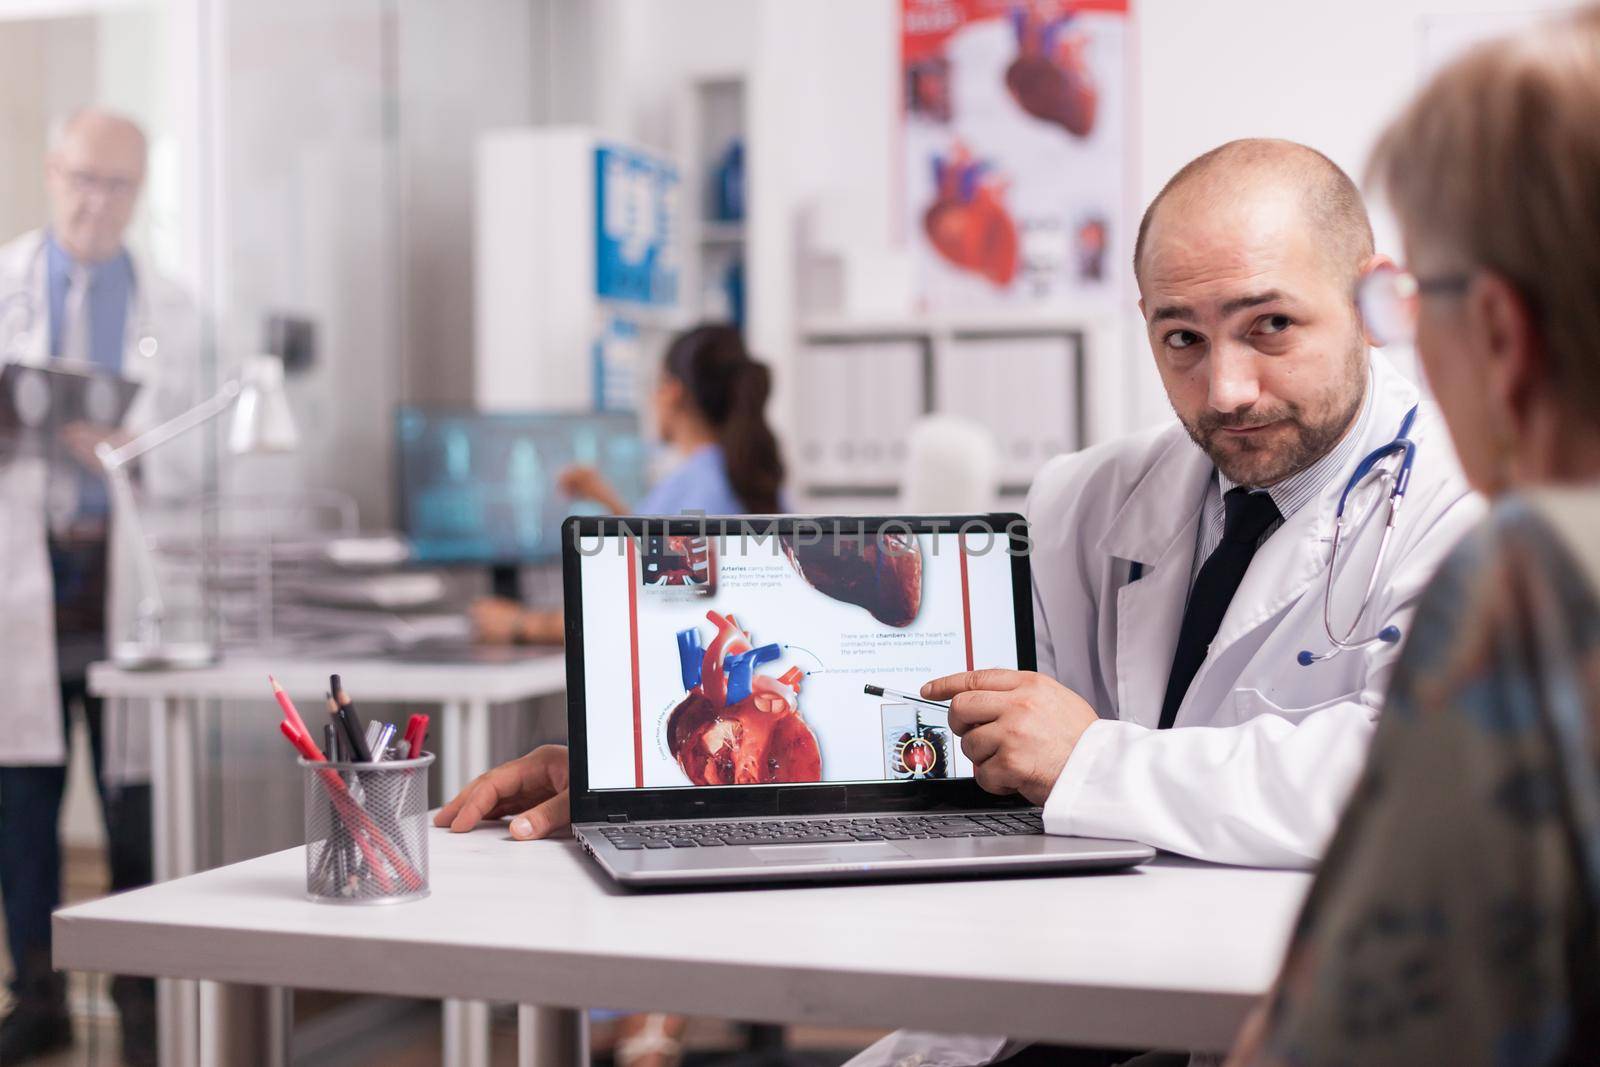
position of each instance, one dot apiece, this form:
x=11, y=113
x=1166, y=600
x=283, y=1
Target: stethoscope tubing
x=1399, y=481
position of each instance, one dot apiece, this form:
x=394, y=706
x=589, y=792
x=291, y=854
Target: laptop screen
x=741, y=654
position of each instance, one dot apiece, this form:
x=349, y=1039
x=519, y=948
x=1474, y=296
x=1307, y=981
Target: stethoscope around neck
x=24, y=303
x=1398, y=477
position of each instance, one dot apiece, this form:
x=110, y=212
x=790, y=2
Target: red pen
x=416, y=734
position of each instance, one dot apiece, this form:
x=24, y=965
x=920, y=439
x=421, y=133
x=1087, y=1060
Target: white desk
x=465, y=692
x=1170, y=956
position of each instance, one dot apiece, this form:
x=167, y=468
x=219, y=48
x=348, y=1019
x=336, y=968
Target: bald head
x=93, y=174
x=1266, y=175
x=100, y=131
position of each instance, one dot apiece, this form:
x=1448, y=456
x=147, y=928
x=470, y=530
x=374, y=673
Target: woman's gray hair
x=1498, y=161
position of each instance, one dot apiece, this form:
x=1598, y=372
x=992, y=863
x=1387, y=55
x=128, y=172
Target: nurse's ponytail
x=730, y=389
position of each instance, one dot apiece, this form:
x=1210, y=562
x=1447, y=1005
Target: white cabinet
x=575, y=263
x=863, y=385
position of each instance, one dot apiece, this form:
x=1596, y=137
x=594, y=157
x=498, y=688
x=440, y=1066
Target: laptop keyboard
x=633, y=836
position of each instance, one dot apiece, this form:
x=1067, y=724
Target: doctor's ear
x=1502, y=324
x=1373, y=263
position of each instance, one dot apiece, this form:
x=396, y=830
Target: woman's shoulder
x=1568, y=515
x=698, y=483
x=1534, y=531
x=1530, y=568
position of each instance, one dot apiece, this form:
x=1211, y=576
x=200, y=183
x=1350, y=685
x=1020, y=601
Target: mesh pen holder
x=367, y=831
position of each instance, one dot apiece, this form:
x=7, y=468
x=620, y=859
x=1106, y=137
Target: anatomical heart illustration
x=968, y=223
x=1049, y=78
x=1023, y=108
x=880, y=572
x=735, y=726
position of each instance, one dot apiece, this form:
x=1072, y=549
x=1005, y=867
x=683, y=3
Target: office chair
x=952, y=466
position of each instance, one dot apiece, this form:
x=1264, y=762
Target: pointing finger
x=994, y=679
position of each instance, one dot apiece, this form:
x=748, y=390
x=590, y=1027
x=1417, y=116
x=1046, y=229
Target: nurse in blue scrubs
x=710, y=407
x=710, y=411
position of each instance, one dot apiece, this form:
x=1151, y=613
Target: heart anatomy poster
x=1016, y=135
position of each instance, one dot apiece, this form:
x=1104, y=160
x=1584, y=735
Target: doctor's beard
x=1300, y=438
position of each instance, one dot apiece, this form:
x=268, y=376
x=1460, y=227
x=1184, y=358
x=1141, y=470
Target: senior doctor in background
x=73, y=292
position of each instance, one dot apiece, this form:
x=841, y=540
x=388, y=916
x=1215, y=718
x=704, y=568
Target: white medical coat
x=1264, y=751
x=30, y=701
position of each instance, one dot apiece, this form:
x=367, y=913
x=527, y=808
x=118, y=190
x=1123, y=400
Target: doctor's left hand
x=532, y=788
x=1018, y=727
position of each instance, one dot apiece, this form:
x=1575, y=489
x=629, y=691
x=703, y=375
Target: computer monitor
x=480, y=487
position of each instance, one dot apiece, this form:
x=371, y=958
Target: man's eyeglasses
x=1389, y=300
x=84, y=182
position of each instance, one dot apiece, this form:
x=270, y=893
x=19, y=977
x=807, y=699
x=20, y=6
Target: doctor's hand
x=1018, y=727
x=498, y=621
x=81, y=439
x=586, y=483
x=533, y=788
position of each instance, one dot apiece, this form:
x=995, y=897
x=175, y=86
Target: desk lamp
x=262, y=422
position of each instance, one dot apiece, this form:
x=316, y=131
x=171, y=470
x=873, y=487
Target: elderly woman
x=1456, y=918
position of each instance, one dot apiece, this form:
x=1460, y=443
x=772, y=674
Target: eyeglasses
x=84, y=182
x=1389, y=300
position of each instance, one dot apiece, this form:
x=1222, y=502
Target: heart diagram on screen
x=736, y=726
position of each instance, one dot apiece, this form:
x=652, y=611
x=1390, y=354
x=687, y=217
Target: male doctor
x=74, y=292
x=1180, y=574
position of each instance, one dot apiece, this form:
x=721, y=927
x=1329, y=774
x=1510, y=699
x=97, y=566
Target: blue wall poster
x=616, y=365
x=635, y=227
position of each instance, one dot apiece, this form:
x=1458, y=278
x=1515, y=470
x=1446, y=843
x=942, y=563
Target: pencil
x=289, y=710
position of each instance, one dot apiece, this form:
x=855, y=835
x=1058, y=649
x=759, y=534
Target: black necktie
x=1248, y=516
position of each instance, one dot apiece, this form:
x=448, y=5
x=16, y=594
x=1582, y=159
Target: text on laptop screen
x=739, y=660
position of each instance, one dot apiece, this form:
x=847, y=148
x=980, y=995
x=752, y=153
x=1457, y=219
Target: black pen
x=880, y=691
x=341, y=734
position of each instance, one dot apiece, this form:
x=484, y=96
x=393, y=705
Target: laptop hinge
x=616, y=818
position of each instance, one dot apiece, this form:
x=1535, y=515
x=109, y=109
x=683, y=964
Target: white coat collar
x=1155, y=528
x=1164, y=506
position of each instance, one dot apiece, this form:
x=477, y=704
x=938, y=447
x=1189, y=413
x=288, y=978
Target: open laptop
x=742, y=708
